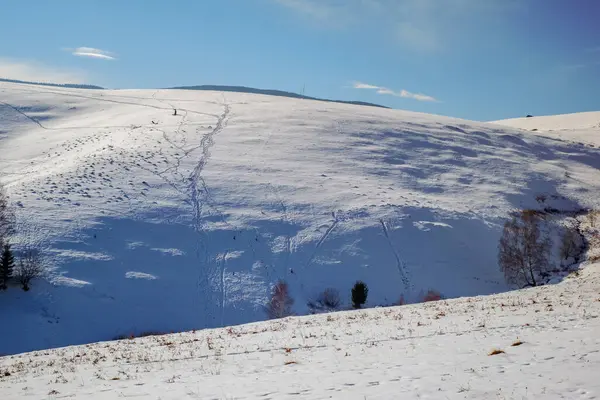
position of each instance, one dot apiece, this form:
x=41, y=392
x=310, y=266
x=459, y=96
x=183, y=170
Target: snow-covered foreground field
x=548, y=338
x=161, y=222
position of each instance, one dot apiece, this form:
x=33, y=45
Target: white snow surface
x=546, y=339
x=160, y=222
x=582, y=127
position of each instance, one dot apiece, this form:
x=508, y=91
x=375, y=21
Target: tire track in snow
x=400, y=264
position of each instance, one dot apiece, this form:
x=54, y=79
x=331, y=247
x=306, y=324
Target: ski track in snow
x=206, y=143
x=400, y=263
x=323, y=238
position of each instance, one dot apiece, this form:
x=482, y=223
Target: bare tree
x=280, y=305
x=327, y=301
x=571, y=244
x=30, y=266
x=523, y=250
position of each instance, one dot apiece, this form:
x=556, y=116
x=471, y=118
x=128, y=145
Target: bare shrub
x=401, y=301
x=327, y=301
x=432, y=295
x=280, y=305
x=570, y=245
x=523, y=250
x=30, y=266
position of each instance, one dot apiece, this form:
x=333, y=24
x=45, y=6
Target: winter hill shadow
x=129, y=276
x=408, y=151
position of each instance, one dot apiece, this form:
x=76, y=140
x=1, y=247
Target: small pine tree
x=7, y=264
x=360, y=291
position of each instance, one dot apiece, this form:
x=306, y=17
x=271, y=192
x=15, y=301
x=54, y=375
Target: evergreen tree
x=360, y=292
x=7, y=264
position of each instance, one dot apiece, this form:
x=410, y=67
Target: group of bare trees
x=28, y=264
x=525, y=248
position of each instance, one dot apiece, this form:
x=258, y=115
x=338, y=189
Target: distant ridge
x=219, y=88
x=280, y=93
x=63, y=85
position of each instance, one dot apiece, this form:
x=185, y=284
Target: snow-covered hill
x=161, y=222
x=581, y=127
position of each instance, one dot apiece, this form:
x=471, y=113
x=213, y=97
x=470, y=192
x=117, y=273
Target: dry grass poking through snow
x=347, y=347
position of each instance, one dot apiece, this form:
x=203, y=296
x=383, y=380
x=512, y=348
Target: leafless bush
x=570, y=246
x=401, y=301
x=280, y=305
x=523, y=250
x=327, y=301
x=432, y=295
x=30, y=266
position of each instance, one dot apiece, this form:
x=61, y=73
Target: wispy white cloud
x=32, y=71
x=92, y=53
x=402, y=93
x=360, y=85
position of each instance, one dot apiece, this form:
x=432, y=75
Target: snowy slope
x=549, y=336
x=581, y=127
x=162, y=222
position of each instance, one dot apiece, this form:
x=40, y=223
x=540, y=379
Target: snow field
x=160, y=222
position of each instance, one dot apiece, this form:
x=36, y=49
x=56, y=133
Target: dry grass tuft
x=517, y=343
x=496, y=352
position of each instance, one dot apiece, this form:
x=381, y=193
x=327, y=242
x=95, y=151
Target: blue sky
x=476, y=59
